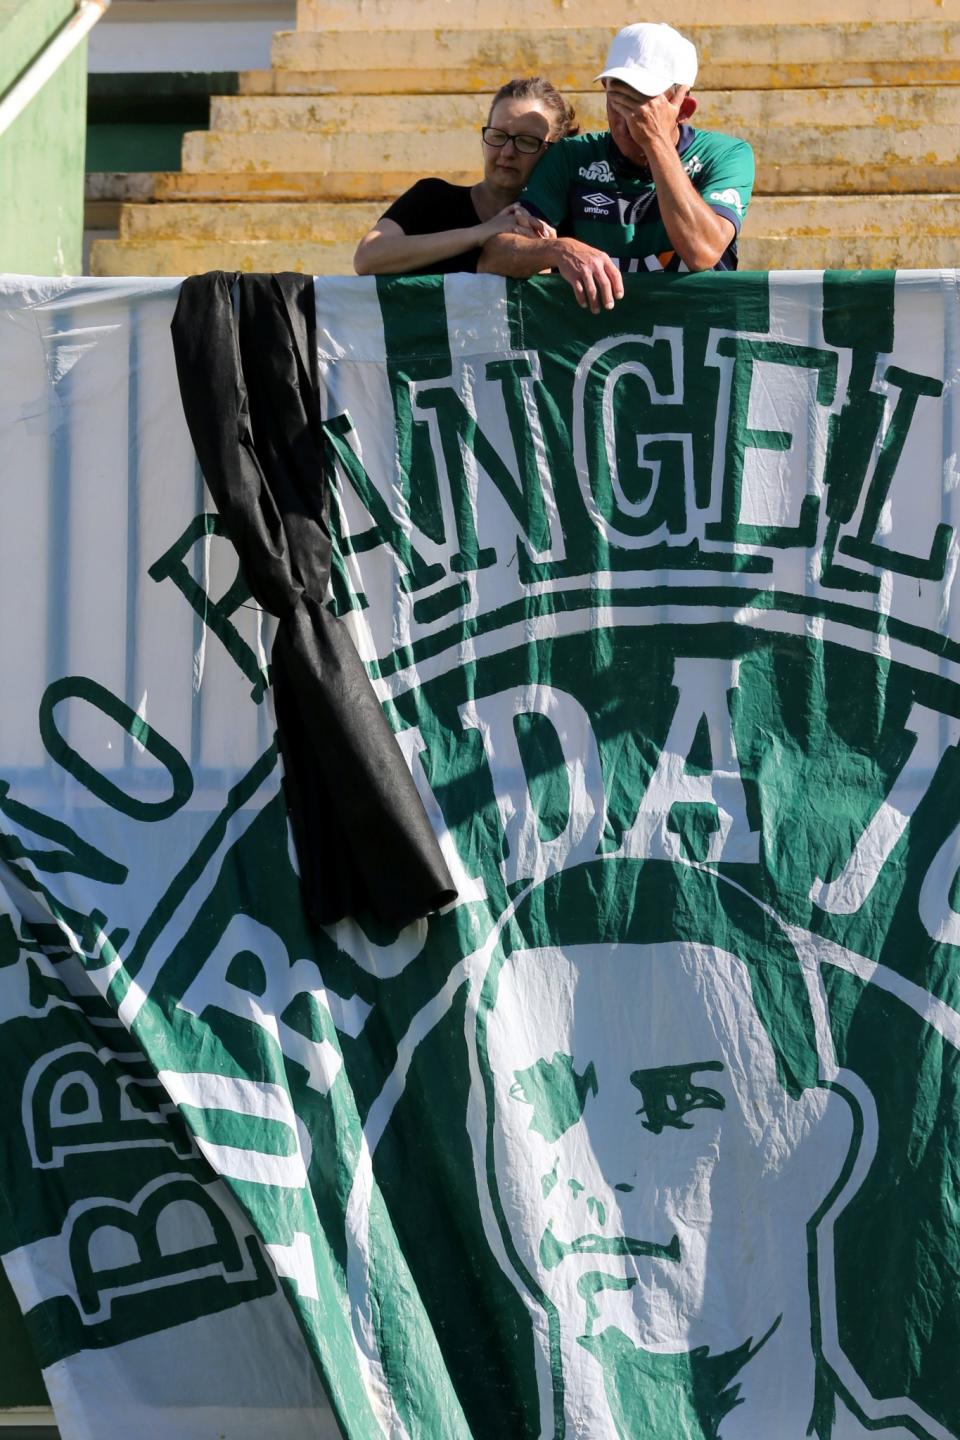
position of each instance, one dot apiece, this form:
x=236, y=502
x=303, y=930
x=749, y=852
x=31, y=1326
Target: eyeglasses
x=525, y=144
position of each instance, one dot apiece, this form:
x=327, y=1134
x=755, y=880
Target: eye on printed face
x=640, y=1123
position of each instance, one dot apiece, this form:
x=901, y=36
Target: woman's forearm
x=387, y=253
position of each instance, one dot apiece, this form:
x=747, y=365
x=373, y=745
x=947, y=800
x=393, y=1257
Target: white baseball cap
x=651, y=58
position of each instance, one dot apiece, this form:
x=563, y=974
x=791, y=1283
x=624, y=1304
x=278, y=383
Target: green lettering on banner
x=77, y=856
x=742, y=437
x=215, y=614
x=862, y=545
x=70, y=931
x=527, y=503
x=454, y=422
x=77, y=1100
x=150, y=1263
x=78, y=687
x=637, y=450
x=385, y=530
x=459, y=435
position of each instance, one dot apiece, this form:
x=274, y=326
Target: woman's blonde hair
x=563, y=117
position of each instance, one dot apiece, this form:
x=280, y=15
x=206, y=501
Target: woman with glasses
x=435, y=227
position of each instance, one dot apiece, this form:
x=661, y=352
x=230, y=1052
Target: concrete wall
x=315, y=15
x=41, y=155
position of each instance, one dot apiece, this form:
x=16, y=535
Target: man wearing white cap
x=650, y=194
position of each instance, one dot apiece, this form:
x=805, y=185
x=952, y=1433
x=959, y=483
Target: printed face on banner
x=642, y=1141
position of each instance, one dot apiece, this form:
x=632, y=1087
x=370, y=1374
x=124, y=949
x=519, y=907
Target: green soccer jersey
x=586, y=188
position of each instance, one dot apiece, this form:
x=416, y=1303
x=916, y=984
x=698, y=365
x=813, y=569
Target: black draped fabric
x=248, y=385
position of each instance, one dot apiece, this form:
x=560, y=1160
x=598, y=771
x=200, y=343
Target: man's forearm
x=698, y=234
x=519, y=256
x=594, y=278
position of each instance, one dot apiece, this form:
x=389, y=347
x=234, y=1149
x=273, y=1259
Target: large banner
x=653, y=1133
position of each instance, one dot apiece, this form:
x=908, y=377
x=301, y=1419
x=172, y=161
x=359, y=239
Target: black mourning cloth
x=247, y=373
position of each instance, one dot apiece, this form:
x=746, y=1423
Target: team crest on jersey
x=597, y=170
x=728, y=197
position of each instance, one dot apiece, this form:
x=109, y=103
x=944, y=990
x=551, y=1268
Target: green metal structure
x=42, y=152
x=137, y=120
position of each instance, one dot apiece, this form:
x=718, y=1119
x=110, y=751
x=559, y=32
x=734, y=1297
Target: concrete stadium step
x=371, y=115
x=729, y=110
x=315, y=186
x=302, y=186
x=327, y=224
x=855, y=252
x=877, y=157
x=376, y=15
x=731, y=57
x=845, y=217
x=759, y=251
x=115, y=257
x=816, y=217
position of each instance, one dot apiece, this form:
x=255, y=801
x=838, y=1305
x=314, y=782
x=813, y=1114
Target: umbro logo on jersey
x=599, y=201
x=597, y=170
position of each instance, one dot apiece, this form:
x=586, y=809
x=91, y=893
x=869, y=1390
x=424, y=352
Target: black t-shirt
x=432, y=205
